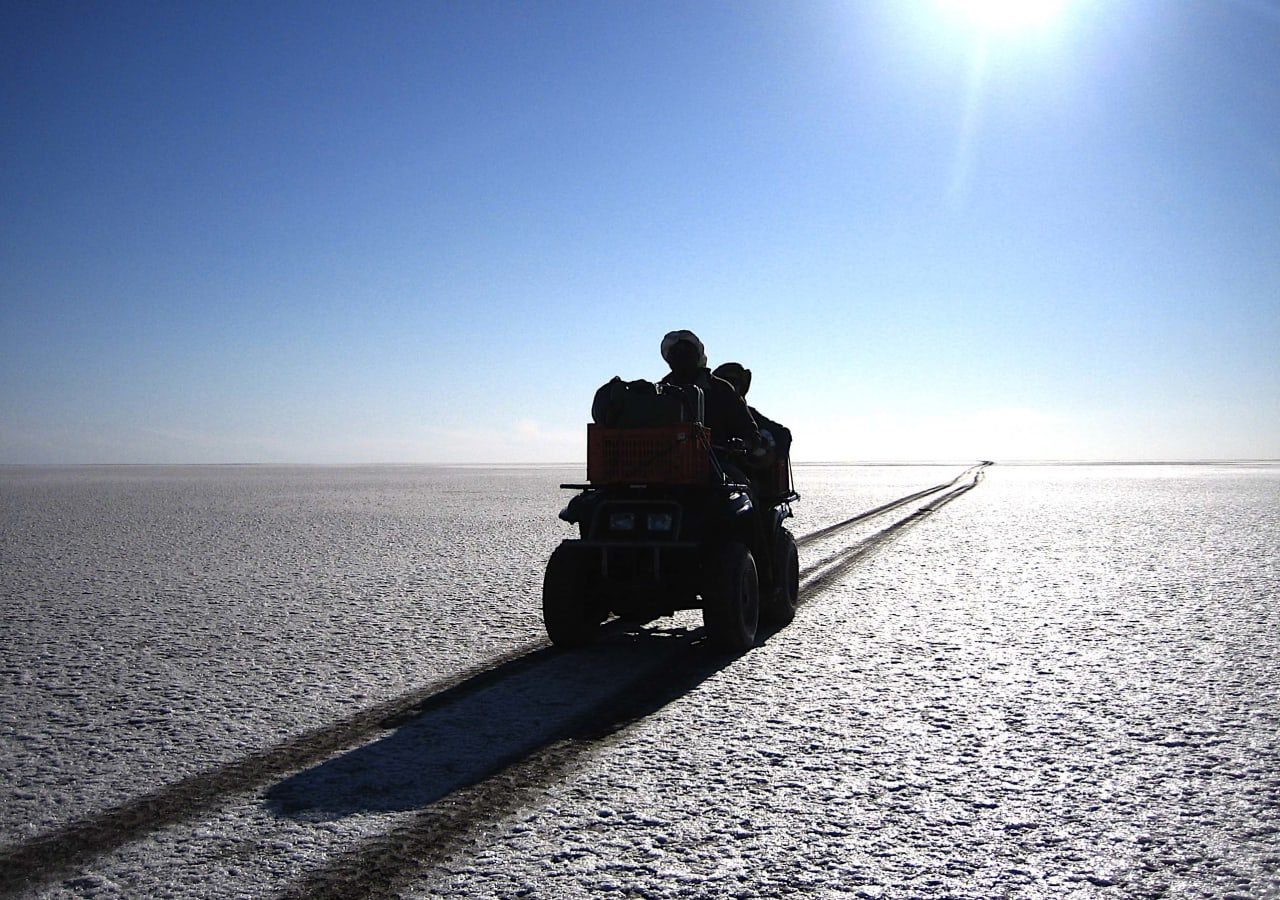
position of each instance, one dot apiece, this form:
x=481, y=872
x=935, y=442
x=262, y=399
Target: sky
x=427, y=232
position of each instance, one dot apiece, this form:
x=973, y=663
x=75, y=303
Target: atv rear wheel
x=572, y=616
x=731, y=598
x=784, y=596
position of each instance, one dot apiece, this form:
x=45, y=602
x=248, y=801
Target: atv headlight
x=660, y=521
x=622, y=521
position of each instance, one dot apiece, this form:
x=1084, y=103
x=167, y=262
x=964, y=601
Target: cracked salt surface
x=1060, y=684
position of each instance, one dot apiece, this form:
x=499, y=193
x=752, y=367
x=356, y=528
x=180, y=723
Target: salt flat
x=1061, y=682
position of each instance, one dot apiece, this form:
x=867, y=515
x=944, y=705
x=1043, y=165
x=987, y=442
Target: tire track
x=888, y=507
x=30, y=863
x=816, y=576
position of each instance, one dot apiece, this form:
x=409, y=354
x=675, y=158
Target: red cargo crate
x=662, y=454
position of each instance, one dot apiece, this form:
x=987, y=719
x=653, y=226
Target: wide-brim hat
x=683, y=335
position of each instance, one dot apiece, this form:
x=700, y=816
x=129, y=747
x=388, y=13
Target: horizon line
x=1190, y=461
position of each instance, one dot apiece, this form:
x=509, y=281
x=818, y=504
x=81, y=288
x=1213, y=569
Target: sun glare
x=1007, y=15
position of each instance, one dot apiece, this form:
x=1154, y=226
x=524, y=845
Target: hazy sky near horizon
x=426, y=232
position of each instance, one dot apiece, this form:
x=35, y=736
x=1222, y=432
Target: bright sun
x=1007, y=15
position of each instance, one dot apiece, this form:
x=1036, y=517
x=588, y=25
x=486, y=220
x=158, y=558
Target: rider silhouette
x=725, y=412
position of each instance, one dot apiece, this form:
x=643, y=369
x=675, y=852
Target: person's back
x=724, y=411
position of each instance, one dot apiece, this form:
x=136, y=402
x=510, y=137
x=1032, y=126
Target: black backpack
x=641, y=404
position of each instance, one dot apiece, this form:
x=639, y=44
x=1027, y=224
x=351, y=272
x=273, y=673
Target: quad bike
x=667, y=521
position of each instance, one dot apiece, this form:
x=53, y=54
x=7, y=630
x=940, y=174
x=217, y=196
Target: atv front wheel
x=569, y=612
x=731, y=598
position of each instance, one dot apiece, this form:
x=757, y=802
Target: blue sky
x=426, y=232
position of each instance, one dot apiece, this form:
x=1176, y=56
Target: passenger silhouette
x=777, y=437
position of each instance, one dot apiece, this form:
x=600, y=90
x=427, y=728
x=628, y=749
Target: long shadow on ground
x=488, y=754
x=445, y=736
x=432, y=754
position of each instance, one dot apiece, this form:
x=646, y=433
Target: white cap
x=674, y=337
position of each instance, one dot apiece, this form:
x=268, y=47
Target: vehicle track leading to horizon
x=632, y=672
